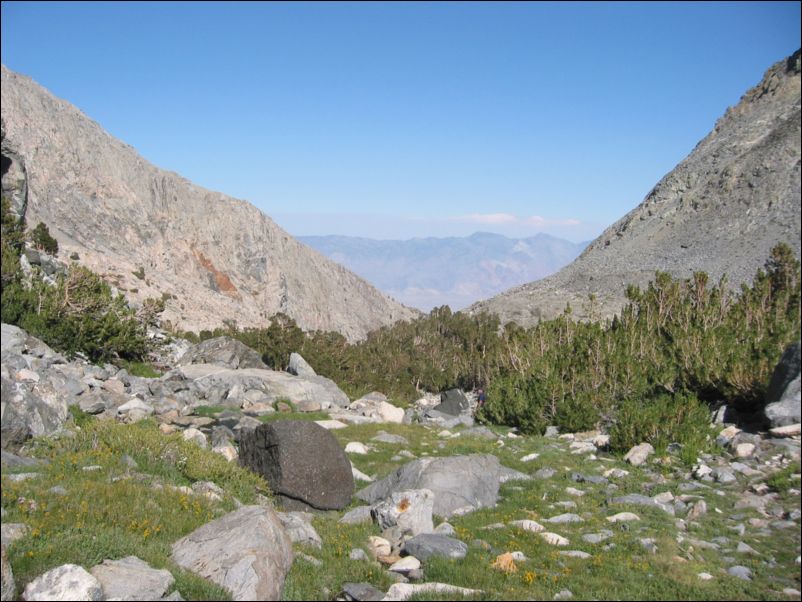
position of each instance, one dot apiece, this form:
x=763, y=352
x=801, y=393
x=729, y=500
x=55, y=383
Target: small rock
x=359, y=592
x=576, y=554
x=196, y=437
x=623, y=517
x=638, y=454
x=405, y=565
x=530, y=457
x=528, y=525
x=741, y=572
x=358, y=554
x=355, y=447
x=554, y=539
x=378, y=546
x=565, y=518
x=595, y=538
x=563, y=594
x=744, y=548
x=790, y=430
x=705, y=576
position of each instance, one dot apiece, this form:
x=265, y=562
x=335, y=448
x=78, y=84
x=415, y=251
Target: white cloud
x=541, y=222
x=488, y=218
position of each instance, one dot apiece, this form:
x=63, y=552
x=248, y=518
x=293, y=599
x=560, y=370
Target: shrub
x=661, y=420
x=41, y=238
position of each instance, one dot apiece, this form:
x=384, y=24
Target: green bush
x=41, y=238
x=661, y=420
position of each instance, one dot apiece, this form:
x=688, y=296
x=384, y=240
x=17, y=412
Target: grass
x=620, y=568
x=115, y=511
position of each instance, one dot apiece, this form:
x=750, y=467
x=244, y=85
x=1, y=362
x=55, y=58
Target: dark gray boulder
x=301, y=461
x=453, y=402
x=223, y=351
x=783, y=396
x=361, y=591
x=426, y=545
x=459, y=483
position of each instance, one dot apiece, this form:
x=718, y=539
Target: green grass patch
x=102, y=507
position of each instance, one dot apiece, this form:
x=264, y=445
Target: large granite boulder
x=783, y=397
x=301, y=461
x=459, y=483
x=246, y=551
x=222, y=351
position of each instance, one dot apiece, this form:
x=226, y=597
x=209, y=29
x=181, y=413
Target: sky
x=399, y=120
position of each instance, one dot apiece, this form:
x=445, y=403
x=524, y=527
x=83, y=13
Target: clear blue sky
x=393, y=120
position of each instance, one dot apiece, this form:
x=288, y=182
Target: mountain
x=429, y=272
x=152, y=233
x=721, y=210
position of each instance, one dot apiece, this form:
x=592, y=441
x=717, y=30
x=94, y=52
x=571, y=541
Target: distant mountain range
x=429, y=272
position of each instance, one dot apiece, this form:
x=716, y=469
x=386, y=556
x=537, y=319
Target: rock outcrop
x=152, y=233
x=721, y=210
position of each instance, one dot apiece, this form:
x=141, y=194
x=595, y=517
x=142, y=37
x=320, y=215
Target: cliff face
x=151, y=232
x=721, y=210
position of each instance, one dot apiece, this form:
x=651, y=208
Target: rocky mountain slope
x=721, y=210
x=152, y=233
x=455, y=271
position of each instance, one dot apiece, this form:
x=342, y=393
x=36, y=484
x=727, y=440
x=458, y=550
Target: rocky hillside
x=152, y=233
x=454, y=271
x=720, y=210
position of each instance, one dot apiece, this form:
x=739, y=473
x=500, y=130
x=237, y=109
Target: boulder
x=131, y=578
x=783, y=396
x=405, y=513
x=27, y=413
x=453, y=402
x=299, y=528
x=300, y=460
x=426, y=545
x=299, y=367
x=638, y=454
x=222, y=351
x=66, y=582
x=246, y=551
x=459, y=483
